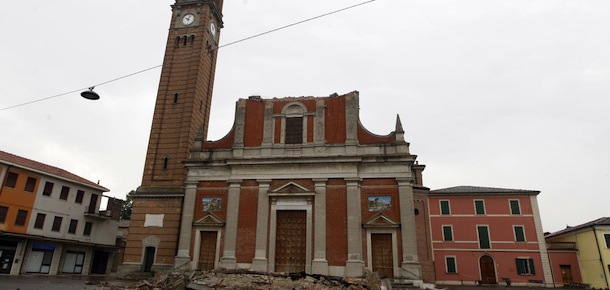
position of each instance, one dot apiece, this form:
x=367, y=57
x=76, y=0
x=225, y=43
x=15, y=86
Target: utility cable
x=221, y=46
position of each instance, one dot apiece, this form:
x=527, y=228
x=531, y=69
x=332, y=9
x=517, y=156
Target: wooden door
x=566, y=274
x=207, y=251
x=291, y=241
x=488, y=270
x=382, y=255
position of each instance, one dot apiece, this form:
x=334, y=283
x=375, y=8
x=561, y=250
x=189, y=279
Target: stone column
x=182, y=261
x=260, y=261
x=410, y=268
x=354, y=267
x=228, y=260
x=319, y=265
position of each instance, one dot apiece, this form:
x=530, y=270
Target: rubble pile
x=245, y=279
x=251, y=280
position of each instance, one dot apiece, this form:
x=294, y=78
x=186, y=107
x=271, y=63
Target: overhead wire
x=221, y=46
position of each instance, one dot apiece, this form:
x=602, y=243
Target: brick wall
x=166, y=251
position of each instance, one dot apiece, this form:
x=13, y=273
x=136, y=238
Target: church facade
x=299, y=184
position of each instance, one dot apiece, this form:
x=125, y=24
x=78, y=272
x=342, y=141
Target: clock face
x=188, y=19
x=213, y=28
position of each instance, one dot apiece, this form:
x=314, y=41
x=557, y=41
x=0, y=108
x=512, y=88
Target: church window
x=165, y=162
x=294, y=130
x=176, y=95
x=294, y=123
x=192, y=39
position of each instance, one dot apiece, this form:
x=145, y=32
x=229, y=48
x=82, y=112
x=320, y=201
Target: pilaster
x=183, y=258
x=319, y=265
x=319, y=123
x=544, y=256
x=240, y=124
x=228, y=260
x=260, y=261
x=410, y=268
x=354, y=267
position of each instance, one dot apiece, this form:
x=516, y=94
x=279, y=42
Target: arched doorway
x=488, y=270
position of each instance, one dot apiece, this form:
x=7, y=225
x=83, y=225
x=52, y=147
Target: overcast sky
x=511, y=94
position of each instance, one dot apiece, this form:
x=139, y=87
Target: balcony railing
x=561, y=246
x=102, y=214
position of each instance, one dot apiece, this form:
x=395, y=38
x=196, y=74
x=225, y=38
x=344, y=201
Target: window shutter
x=532, y=271
x=520, y=267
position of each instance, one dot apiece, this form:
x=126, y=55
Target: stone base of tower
x=152, y=241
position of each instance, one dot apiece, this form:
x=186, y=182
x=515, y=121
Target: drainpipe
x=601, y=261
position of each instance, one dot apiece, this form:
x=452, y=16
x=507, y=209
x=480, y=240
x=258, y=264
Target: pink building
x=486, y=235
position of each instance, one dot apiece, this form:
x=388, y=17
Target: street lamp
x=90, y=94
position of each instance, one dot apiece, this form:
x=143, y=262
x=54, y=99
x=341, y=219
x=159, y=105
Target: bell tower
x=185, y=90
x=182, y=111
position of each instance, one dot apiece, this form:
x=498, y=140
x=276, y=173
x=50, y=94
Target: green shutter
x=514, y=207
x=445, y=207
x=483, y=232
x=447, y=233
x=479, y=207
x=519, y=234
x=532, y=270
x=520, y=266
x=451, y=265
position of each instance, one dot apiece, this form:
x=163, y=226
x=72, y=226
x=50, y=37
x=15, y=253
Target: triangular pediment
x=210, y=220
x=381, y=221
x=291, y=188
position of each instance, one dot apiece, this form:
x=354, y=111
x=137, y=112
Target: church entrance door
x=382, y=256
x=291, y=241
x=207, y=253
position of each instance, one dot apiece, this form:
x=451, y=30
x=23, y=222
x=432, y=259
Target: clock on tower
x=181, y=112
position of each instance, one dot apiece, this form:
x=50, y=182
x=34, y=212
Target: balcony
x=102, y=214
x=562, y=246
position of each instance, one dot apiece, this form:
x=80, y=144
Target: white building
x=50, y=222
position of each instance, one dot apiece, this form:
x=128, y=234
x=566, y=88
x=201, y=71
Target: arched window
x=294, y=124
x=165, y=162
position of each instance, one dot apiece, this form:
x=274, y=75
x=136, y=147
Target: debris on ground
x=251, y=280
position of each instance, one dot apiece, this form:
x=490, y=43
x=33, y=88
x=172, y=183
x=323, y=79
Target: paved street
x=35, y=282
